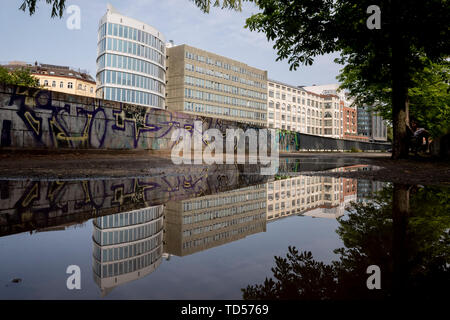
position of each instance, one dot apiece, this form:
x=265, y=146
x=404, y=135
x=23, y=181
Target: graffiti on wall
x=41, y=118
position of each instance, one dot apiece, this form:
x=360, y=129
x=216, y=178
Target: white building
x=316, y=112
x=293, y=108
x=130, y=61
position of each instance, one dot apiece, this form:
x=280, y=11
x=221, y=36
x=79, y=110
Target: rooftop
x=52, y=70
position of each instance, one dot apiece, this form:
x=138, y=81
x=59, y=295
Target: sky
x=46, y=40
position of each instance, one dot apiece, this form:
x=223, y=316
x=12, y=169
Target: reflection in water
x=137, y=222
x=315, y=196
x=127, y=246
x=405, y=230
x=205, y=222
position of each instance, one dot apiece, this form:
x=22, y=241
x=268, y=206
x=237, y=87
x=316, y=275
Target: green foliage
x=20, y=77
x=430, y=97
x=298, y=276
x=368, y=232
x=205, y=5
x=57, y=7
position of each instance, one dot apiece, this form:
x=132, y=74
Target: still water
x=210, y=234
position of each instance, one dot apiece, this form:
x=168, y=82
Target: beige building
x=202, y=223
x=59, y=78
x=302, y=110
x=207, y=84
x=293, y=108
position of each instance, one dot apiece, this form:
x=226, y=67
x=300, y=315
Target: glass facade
x=127, y=242
x=130, y=64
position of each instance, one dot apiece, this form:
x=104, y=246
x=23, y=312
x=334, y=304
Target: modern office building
x=206, y=84
x=127, y=246
x=58, y=78
x=202, y=223
x=371, y=125
x=130, y=61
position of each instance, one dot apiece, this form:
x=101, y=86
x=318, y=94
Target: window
x=61, y=84
x=70, y=85
x=54, y=84
x=46, y=83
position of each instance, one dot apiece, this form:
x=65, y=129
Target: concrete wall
x=41, y=119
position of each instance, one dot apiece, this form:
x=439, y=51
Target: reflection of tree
x=405, y=231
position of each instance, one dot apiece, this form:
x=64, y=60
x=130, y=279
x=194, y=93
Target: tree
x=20, y=77
x=57, y=7
x=428, y=96
x=404, y=230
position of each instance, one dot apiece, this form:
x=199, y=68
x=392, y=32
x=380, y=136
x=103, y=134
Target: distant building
x=131, y=61
x=371, y=125
x=293, y=108
x=58, y=78
x=206, y=84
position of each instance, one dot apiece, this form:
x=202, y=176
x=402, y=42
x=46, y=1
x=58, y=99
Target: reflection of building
x=209, y=221
x=59, y=78
x=368, y=188
x=127, y=246
x=130, y=61
x=310, y=196
x=207, y=84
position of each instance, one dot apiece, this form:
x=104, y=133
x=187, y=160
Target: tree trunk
x=399, y=85
x=400, y=216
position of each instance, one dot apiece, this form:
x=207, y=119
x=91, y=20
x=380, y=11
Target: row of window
x=224, y=224
x=132, y=64
x=222, y=99
x=220, y=213
x=127, y=251
x=129, y=47
x=193, y=81
x=129, y=218
x=131, y=80
x=209, y=109
x=223, y=235
x=105, y=238
x=225, y=76
x=224, y=65
x=133, y=96
x=215, y=202
x=128, y=266
x=117, y=30
x=69, y=85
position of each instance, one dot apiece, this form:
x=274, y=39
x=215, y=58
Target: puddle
x=207, y=235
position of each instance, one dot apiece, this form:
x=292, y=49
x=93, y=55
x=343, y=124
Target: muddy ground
x=81, y=165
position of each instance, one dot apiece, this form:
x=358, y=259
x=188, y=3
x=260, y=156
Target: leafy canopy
x=20, y=77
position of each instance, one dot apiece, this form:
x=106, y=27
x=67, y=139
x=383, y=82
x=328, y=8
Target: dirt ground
x=81, y=165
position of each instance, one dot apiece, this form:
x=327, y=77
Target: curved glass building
x=127, y=246
x=130, y=61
